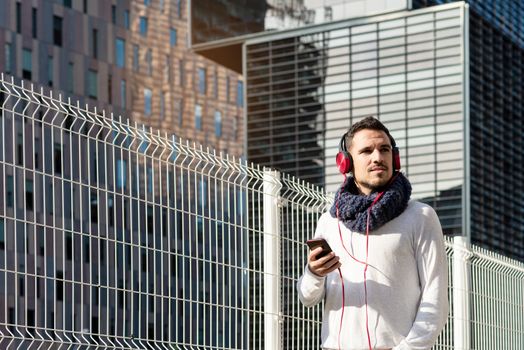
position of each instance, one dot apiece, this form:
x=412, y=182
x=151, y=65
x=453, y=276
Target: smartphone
x=319, y=242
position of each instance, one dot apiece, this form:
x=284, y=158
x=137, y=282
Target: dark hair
x=368, y=123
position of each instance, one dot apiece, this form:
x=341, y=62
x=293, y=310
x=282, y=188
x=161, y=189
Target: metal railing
x=113, y=236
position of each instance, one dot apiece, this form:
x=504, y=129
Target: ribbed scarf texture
x=352, y=206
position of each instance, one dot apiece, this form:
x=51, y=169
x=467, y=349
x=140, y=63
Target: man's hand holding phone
x=322, y=260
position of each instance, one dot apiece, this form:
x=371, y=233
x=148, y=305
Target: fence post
x=272, y=314
x=460, y=302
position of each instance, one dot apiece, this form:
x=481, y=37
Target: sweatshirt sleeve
x=432, y=267
x=310, y=287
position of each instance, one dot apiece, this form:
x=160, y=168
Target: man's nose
x=377, y=156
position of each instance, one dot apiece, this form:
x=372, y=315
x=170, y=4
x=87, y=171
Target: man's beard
x=373, y=187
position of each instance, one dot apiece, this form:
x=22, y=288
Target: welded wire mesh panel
x=301, y=206
x=114, y=236
x=445, y=338
x=497, y=302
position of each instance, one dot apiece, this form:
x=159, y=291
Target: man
x=385, y=282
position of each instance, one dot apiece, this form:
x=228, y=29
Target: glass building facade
x=506, y=17
x=306, y=87
x=496, y=56
x=446, y=80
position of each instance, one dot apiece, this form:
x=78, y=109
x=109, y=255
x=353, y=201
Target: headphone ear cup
x=396, y=158
x=344, y=163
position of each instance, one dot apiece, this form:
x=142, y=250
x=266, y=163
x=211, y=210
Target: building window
x=135, y=57
x=121, y=174
x=172, y=36
x=29, y=194
x=182, y=72
x=202, y=195
x=218, y=123
x=162, y=5
x=59, y=285
x=94, y=38
x=167, y=69
x=149, y=175
x=147, y=2
x=50, y=201
x=240, y=93
x=85, y=6
x=179, y=8
x=57, y=30
x=27, y=64
x=9, y=195
x=50, y=71
x=86, y=251
x=36, y=164
x=69, y=246
x=110, y=212
x=198, y=117
x=94, y=208
x=202, y=80
x=34, y=17
x=149, y=61
x=162, y=105
x=2, y=233
x=110, y=88
x=148, y=96
x=123, y=93
x=70, y=77
x=120, y=48
x=235, y=129
x=19, y=17
x=113, y=14
x=92, y=84
x=143, y=26
x=126, y=19
x=180, y=104
x=58, y=158
x=20, y=149
x=8, y=54
x=67, y=3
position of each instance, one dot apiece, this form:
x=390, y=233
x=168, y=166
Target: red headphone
x=345, y=162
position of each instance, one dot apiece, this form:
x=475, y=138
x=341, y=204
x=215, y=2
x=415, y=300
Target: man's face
x=372, y=156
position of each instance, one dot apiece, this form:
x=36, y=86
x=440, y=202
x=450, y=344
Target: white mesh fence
x=114, y=236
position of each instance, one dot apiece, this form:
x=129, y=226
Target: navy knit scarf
x=352, y=206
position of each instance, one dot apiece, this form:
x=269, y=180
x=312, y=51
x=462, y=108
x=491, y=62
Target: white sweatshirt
x=406, y=283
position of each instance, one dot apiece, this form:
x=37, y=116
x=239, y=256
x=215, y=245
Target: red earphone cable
x=343, y=303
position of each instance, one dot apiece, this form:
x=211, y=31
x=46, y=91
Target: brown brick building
x=128, y=57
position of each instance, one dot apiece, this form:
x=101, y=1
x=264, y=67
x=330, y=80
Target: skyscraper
x=383, y=65
x=496, y=123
